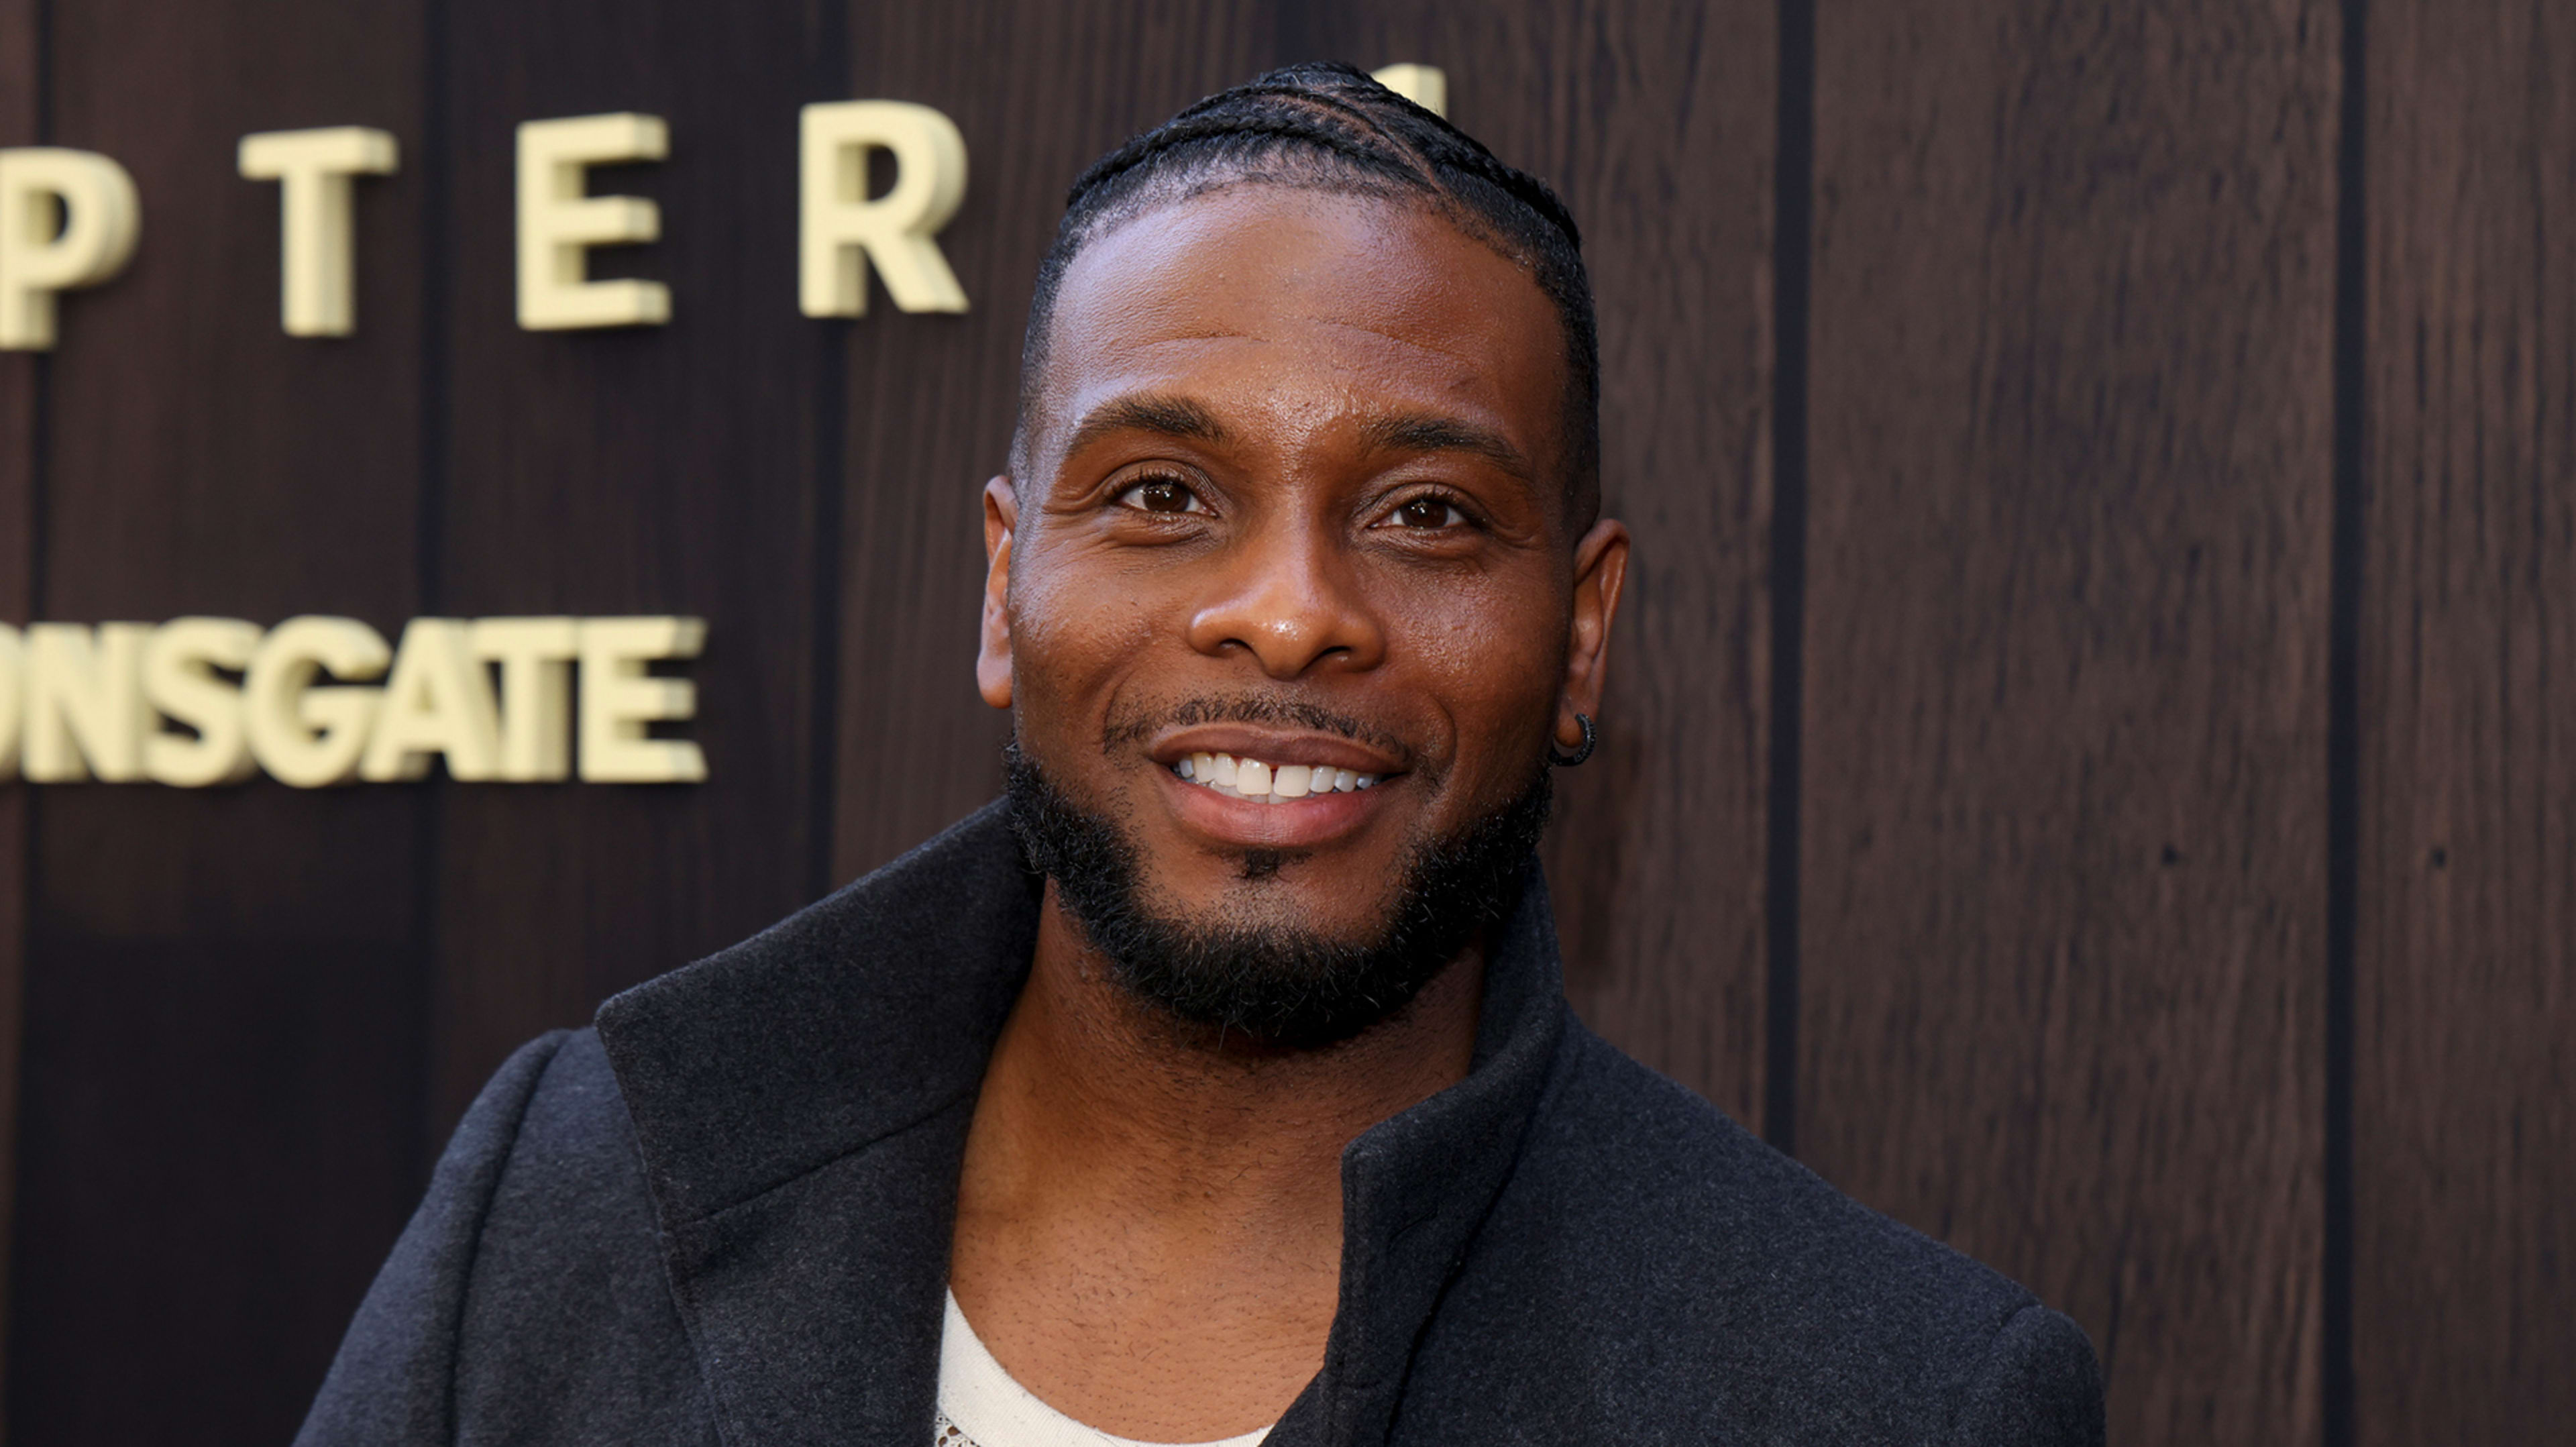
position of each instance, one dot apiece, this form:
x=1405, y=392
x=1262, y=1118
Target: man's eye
x=1428, y=512
x=1162, y=494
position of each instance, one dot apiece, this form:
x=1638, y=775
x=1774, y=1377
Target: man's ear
x=1600, y=572
x=993, y=657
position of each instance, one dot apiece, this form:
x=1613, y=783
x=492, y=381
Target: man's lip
x=1274, y=747
x=1316, y=821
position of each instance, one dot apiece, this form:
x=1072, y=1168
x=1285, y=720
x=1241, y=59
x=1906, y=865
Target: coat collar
x=801, y=1100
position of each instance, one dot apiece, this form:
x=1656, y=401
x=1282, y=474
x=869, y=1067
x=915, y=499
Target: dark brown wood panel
x=632, y=470
x=2065, y=706
x=2464, y=1139
x=1655, y=122
x=19, y=81
x=225, y=983
x=932, y=398
x=263, y=1101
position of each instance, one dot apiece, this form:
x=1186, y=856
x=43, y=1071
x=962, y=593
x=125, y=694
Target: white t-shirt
x=980, y=1406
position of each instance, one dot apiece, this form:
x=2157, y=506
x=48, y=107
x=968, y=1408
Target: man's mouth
x=1267, y=783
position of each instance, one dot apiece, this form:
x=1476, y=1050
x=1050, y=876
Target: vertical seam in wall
x=1791, y=242
x=835, y=66
x=40, y=404
x=40, y=478
x=40, y=442
x=429, y=531
x=436, y=287
x=2343, y=728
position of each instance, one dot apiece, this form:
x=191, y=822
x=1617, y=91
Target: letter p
x=67, y=219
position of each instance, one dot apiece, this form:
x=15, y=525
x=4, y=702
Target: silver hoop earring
x=1567, y=761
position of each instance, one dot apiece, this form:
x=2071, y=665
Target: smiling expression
x=1295, y=516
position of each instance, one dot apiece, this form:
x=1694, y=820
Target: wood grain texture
x=240, y=1169
x=19, y=88
x=2464, y=1140
x=931, y=399
x=632, y=470
x=2064, y=786
x=225, y=984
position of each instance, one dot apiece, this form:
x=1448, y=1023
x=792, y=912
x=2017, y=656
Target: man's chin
x=1280, y=987
x=1264, y=964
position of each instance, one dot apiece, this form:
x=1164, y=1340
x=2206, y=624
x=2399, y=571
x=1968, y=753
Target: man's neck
x=1149, y=1223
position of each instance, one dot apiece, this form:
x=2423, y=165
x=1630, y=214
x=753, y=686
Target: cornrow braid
x=1329, y=127
x=1184, y=130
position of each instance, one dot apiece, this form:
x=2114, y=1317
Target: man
x=1219, y=1080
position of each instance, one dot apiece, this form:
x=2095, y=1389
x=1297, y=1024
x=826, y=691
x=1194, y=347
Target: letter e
x=618, y=699
x=559, y=223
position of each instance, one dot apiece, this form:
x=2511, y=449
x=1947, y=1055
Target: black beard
x=1276, y=985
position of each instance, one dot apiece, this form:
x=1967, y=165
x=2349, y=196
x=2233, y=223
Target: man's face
x=1297, y=499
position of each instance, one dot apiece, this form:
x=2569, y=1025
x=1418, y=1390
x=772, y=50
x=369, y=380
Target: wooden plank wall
x=2464, y=1167
x=655, y=470
x=2065, y=711
x=21, y=112
x=2016, y=402
x=227, y=985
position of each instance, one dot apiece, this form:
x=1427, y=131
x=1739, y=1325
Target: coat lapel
x=801, y=1102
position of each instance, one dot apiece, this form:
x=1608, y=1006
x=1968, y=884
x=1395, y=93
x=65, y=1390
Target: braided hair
x=1329, y=127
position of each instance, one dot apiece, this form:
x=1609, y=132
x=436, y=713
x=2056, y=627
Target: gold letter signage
x=69, y=219
x=317, y=701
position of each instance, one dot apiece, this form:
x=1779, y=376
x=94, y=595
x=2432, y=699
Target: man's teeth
x=1270, y=783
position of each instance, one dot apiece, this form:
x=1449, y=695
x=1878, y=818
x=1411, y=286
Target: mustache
x=1128, y=730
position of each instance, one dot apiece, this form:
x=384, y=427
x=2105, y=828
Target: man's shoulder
x=1633, y=1155
x=526, y=1300
x=569, y=1204
x=1679, y=1268
x=566, y=1122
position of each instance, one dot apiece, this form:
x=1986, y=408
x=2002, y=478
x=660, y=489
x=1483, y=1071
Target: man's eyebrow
x=1165, y=416
x=1425, y=432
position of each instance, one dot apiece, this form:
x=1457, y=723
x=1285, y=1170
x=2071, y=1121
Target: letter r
x=840, y=225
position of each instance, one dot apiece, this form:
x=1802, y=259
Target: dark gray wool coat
x=721, y=1215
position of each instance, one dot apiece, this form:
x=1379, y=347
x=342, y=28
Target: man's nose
x=1288, y=597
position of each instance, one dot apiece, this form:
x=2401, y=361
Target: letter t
x=314, y=168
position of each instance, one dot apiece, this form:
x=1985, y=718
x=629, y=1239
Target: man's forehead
x=1262, y=260
x=1368, y=424
x=1306, y=307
